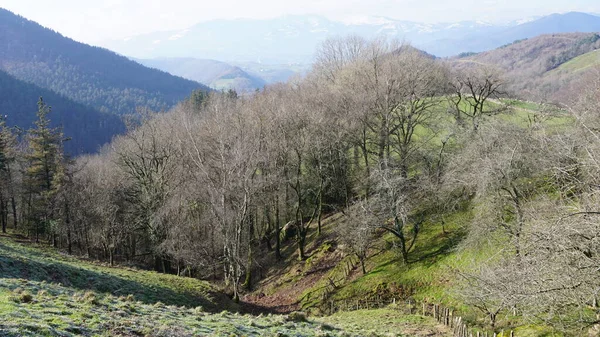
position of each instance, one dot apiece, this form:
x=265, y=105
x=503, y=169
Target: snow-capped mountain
x=293, y=39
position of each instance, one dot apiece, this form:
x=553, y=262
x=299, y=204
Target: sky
x=93, y=21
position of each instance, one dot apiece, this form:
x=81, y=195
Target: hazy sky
x=95, y=20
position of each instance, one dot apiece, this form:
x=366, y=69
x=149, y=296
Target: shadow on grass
x=442, y=245
x=30, y=265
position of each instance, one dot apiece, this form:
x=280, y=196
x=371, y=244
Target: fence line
x=443, y=315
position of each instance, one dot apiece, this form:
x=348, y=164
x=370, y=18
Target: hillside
x=88, y=75
x=215, y=74
x=88, y=128
x=46, y=293
x=545, y=67
x=480, y=42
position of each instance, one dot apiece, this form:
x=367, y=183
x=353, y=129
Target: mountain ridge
x=298, y=36
x=89, y=75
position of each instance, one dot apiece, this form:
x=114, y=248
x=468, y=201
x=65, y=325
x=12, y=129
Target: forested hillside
x=92, y=76
x=533, y=67
x=88, y=128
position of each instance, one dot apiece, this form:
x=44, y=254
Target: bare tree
x=148, y=155
x=103, y=188
x=391, y=206
x=224, y=151
x=475, y=86
x=356, y=232
x=504, y=165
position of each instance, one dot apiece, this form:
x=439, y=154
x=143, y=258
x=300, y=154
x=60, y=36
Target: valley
x=301, y=175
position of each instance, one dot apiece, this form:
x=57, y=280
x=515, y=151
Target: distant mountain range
x=215, y=74
x=88, y=86
x=293, y=39
x=573, y=22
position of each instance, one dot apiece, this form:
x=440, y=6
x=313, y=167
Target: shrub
x=90, y=297
x=297, y=316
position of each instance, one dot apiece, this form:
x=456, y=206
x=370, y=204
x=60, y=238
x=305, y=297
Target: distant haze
x=93, y=21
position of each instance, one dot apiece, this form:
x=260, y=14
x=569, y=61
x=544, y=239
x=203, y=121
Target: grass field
x=45, y=293
x=580, y=62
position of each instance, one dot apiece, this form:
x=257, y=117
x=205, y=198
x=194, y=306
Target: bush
x=90, y=297
x=297, y=316
x=21, y=296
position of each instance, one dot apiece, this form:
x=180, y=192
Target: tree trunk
x=2, y=212
x=132, y=245
x=248, y=280
x=277, y=230
x=111, y=259
x=14, y=211
x=69, y=242
x=362, y=264
x=68, y=224
x=301, y=242
x=400, y=235
x=320, y=211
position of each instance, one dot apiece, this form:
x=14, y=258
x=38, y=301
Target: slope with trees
x=88, y=75
x=87, y=128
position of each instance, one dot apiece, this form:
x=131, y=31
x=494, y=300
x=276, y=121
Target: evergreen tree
x=43, y=173
x=7, y=156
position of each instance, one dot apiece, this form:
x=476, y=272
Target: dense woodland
x=390, y=137
x=87, y=128
x=91, y=76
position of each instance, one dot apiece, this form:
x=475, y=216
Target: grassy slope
x=44, y=293
x=580, y=63
x=41, y=264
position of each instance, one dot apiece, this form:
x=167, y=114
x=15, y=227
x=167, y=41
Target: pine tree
x=43, y=173
x=6, y=158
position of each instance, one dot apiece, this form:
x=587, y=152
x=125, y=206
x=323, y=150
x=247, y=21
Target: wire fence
x=443, y=315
